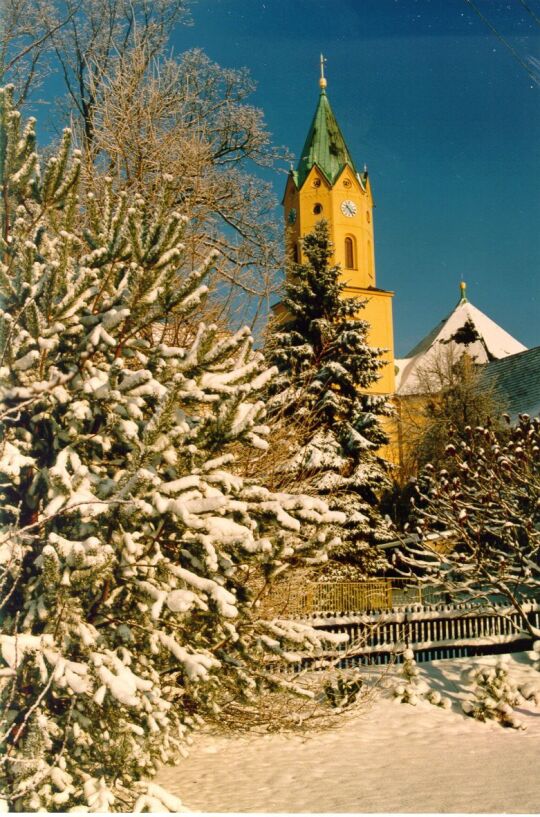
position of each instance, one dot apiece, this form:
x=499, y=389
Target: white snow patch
x=391, y=757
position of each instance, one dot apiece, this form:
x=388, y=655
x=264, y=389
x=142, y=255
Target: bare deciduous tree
x=488, y=499
x=25, y=39
x=97, y=32
x=138, y=115
x=190, y=119
x=450, y=396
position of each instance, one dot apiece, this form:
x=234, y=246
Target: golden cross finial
x=322, y=80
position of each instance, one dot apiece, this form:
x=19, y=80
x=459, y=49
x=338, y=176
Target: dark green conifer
x=326, y=367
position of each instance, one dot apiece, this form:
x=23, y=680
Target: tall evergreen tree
x=325, y=368
x=128, y=541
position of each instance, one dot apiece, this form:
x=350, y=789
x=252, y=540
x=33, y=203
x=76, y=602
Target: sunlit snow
x=385, y=757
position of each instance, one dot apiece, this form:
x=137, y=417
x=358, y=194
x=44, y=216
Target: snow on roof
x=466, y=329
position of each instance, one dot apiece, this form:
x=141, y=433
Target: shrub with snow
x=129, y=541
x=488, y=501
x=342, y=691
x=530, y=690
x=411, y=689
x=495, y=695
x=534, y=655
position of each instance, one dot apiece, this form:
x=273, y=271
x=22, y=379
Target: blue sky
x=445, y=118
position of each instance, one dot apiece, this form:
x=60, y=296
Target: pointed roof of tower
x=465, y=329
x=324, y=145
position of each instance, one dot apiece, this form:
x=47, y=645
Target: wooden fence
x=295, y=600
x=442, y=631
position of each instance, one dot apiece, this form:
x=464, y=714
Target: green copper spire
x=325, y=145
x=463, y=292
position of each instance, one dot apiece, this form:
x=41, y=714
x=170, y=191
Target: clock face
x=348, y=208
x=292, y=215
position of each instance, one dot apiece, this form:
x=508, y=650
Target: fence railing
x=292, y=600
x=443, y=631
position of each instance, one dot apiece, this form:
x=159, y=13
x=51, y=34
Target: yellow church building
x=327, y=185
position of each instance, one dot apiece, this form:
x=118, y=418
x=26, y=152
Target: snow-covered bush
x=534, y=655
x=129, y=542
x=529, y=690
x=488, y=503
x=410, y=689
x=342, y=691
x=495, y=695
x=320, y=396
x=435, y=698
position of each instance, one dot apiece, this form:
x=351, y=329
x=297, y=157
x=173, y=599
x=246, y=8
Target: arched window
x=350, y=260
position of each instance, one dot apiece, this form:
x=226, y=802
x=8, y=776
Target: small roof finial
x=463, y=290
x=322, y=80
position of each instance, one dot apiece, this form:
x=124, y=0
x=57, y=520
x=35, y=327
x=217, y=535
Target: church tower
x=326, y=185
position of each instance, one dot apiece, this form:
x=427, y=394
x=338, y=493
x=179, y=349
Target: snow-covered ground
x=390, y=758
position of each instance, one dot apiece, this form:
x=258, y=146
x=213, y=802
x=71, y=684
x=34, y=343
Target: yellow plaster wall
x=317, y=190
x=404, y=430
x=378, y=313
x=392, y=451
x=359, y=227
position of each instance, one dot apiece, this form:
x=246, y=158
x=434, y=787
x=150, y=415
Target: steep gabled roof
x=517, y=379
x=465, y=329
x=324, y=145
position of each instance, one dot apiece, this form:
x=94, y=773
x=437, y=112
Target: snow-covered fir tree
x=410, y=688
x=486, y=502
x=534, y=655
x=494, y=695
x=325, y=368
x=128, y=539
